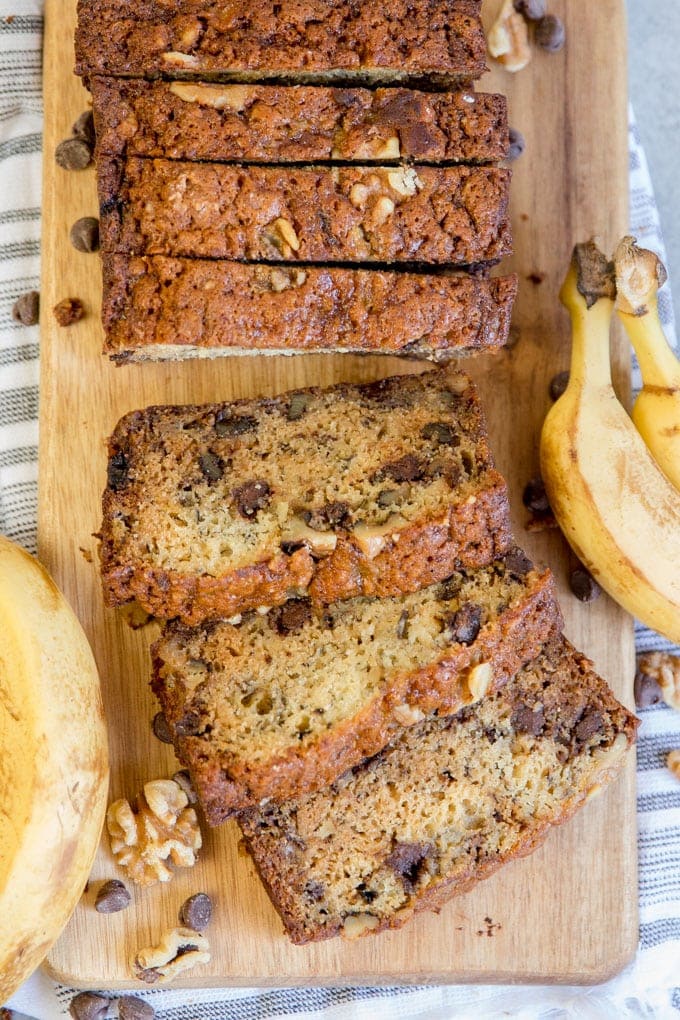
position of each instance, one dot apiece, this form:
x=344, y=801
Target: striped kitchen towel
x=648, y=987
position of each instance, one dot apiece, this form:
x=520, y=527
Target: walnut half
x=160, y=827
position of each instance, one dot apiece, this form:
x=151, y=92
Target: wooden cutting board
x=569, y=912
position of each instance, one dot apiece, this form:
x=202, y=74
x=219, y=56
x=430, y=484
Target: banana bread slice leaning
x=439, y=42
x=445, y=805
x=299, y=123
x=280, y=704
x=377, y=489
x=157, y=308
x=455, y=215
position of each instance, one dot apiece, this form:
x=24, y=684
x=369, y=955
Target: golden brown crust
x=155, y=306
x=455, y=215
x=281, y=124
x=313, y=40
x=226, y=784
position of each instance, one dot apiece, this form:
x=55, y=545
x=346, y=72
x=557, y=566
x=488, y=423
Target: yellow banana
x=617, y=510
x=656, y=412
x=53, y=764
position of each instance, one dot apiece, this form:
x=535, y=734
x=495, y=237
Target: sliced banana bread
x=454, y=215
x=354, y=490
x=445, y=805
x=281, y=124
x=156, y=307
x=281, y=704
x=440, y=42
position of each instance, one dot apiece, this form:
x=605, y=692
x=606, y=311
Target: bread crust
x=454, y=215
x=158, y=307
x=281, y=124
x=313, y=40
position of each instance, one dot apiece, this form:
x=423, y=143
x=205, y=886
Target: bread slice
x=355, y=490
x=279, y=704
x=156, y=308
x=449, y=802
x=453, y=215
x=282, y=124
x=439, y=42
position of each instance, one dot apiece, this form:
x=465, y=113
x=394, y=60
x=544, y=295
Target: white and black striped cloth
x=647, y=988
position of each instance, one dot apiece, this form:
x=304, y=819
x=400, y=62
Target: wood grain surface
x=569, y=912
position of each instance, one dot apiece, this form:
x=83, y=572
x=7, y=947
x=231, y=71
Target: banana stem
x=588, y=295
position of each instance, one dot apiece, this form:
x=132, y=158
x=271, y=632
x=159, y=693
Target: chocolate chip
x=190, y=724
x=388, y=497
x=195, y=913
x=130, y=1007
x=532, y=10
x=84, y=234
x=440, y=433
x=647, y=690
x=558, y=384
x=117, y=474
x=160, y=728
x=367, y=895
x=251, y=497
x=407, y=860
x=212, y=466
x=402, y=624
x=590, y=723
x=227, y=424
x=314, y=890
x=517, y=144
x=388, y=393
x=291, y=616
x=535, y=498
x=84, y=128
x=450, y=588
x=68, y=311
x=464, y=625
x=328, y=516
x=73, y=154
x=528, y=720
x=26, y=308
x=299, y=402
x=407, y=469
x=112, y=897
x=583, y=585
x=517, y=563
x=550, y=34
x=183, y=780
x=88, y=1006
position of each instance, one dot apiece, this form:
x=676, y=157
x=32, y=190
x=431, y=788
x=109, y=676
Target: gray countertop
x=654, y=73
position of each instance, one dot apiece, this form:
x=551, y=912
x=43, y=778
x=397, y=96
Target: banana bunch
x=617, y=509
x=53, y=764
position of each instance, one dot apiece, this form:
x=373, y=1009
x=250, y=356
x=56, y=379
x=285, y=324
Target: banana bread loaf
x=355, y=490
x=426, y=214
x=280, y=124
x=446, y=804
x=440, y=42
x=281, y=704
x=156, y=307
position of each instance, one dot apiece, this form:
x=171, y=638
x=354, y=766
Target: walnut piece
x=508, y=39
x=282, y=235
x=178, y=950
x=665, y=669
x=356, y=925
x=161, y=827
x=673, y=763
